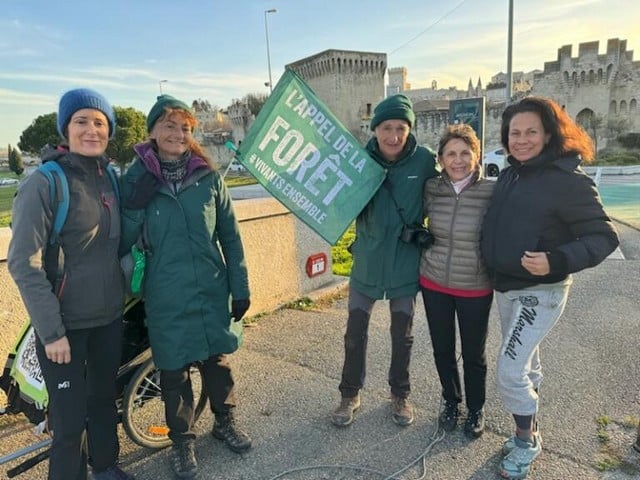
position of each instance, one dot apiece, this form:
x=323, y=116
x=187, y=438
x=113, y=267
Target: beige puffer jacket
x=455, y=220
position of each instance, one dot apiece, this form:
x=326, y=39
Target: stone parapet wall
x=277, y=246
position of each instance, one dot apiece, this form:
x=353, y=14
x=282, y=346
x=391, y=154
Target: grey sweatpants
x=526, y=317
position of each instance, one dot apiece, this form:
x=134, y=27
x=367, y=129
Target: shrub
x=629, y=140
x=342, y=260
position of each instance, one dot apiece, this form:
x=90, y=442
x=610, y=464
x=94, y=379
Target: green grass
x=6, y=200
x=305, y=304
x=607, y=462
x=342, y=259
x=239, y=181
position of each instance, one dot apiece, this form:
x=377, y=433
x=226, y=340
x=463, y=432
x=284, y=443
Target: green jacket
x=196, y=262
x=383, y=265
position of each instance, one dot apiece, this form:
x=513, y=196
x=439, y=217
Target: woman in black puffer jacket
x=544, y=223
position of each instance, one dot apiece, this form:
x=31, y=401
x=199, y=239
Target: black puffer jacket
x=545, y=204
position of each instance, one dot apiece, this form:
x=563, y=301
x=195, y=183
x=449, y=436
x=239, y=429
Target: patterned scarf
x=174, y=171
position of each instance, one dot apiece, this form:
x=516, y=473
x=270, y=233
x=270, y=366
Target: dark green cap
x=396, y=107
x=163, y=102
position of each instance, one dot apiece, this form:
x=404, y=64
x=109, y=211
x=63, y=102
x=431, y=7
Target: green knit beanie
x=163, y=102
x=396, y=107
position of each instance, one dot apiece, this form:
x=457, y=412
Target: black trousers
x=177, y=393
x=82, y=402
x=473, y=320
x=356, y=338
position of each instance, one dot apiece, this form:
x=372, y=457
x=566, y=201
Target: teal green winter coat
x=383, y=265
x=196, y=262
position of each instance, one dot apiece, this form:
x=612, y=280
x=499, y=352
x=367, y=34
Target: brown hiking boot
x=401, y=411
x=343, y=415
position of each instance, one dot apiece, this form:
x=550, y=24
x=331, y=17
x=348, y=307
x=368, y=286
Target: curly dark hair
x=567, y=137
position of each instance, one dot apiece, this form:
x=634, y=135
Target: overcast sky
x=216, y=50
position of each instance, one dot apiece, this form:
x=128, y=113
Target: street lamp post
x=510, y=54
x=160, y=84
x=266, y=33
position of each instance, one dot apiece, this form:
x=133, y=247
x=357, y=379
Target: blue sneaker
x=510, y=443
x=515, y=466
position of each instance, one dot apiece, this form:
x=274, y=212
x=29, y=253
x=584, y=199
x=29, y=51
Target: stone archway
x=591, y=122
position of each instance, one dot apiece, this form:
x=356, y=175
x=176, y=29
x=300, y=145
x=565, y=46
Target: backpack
x=21, y=378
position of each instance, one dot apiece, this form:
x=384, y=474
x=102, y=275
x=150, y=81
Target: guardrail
x=613, y=170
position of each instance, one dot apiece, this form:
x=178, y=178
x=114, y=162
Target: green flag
x=301, y=153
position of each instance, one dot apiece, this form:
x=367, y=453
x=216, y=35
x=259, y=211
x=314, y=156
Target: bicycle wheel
x=143, y=409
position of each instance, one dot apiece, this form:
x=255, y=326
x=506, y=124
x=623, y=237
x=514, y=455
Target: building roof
x=431, y=106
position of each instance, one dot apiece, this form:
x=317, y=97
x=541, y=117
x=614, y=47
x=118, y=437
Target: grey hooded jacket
x=91, y=290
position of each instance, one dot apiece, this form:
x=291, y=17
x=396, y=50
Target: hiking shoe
x=225, y=429
x=474, y=424
x=448, y=419
x=510, y=443
x=401, y=411
x=343, y=415
x=515, y=466
x=183, y=459
x=112, y=473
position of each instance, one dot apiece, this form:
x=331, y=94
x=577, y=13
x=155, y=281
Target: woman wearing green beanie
x=386, y=258
x=195, y=280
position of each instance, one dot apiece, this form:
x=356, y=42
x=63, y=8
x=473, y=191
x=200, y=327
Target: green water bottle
x=137, y=275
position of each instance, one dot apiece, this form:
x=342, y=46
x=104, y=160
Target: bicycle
x=139, y=402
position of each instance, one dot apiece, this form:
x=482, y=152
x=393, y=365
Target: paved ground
x=288, y=370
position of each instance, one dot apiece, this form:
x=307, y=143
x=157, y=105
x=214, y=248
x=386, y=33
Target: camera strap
x=387, y=184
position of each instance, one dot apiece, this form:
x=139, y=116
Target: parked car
x=494, y=161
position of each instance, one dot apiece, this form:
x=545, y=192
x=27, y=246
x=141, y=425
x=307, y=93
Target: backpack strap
x=59, y=197
x=113, y=176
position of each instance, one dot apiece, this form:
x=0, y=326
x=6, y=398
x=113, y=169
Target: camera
x=417, y=235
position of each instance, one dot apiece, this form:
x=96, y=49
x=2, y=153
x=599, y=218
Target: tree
x=255, y=102
x=15, y=161
x=200, y=105
x=592, y=123
x=616, y=126
x=42, y=131
x=131, y=128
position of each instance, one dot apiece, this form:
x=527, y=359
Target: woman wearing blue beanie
x=386, y=255
x=73, y=290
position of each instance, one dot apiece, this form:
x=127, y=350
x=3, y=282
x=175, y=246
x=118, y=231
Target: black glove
x=239, y=308
x=143, y=191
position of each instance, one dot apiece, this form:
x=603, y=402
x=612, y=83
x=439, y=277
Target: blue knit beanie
x=80, y=98
x=396, y=107
x=163, y=102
